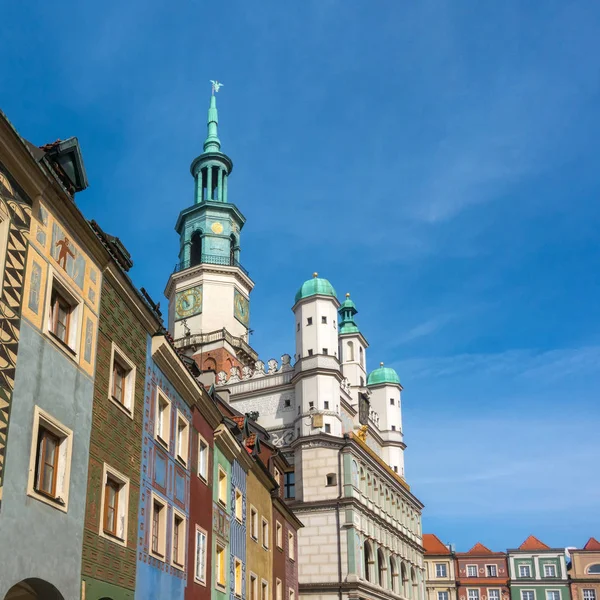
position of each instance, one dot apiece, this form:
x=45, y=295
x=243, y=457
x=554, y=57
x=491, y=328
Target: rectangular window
x=471, y=570
x=239, y=505
x=552, y=595
x=60, y=318
x=323, y=319
x=491, y=570
x=310, y=352
x=111, y=506
x=443, y=596
x=163, y=418
x=200, y=569
x=325, y=351
x=202, y=458
x=290, y=485
x=238, y=577
x=473, y=594
x=392, y=402
x=493, y=594
x=222, y=489
x=393, y=428
x=309, y=321
x=178, y=541
x=183, y=438
x=589, y=594
x=253, y=587
x=279, y=590
x=292, y=594
x=279, y=534
x=524, y=571
x=441, y=570
x=291, y=546
x=264, y=590
x=64, y=312
x=327, y=428
x=549, y=570
x=122, y=380
x=326, y=404
x=50, y=460
x=254, y=523
x=265, y=533
x=221, y=581
x=527, y=595
x=159, y=527
x=114, y=505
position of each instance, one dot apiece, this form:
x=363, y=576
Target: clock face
x=188, y=302
x=241, y=308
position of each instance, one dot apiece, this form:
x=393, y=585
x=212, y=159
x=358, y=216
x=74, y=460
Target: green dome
x=315, y=286
x=383, y=375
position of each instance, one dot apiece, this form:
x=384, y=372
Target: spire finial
x=347, y=294
x=212, y=142
x=315, y=274
x=381, y=364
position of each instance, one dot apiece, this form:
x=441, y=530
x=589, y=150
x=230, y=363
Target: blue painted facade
x=238, y=529
x=169, y=480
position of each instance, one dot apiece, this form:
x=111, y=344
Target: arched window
x=394, y=574
x=362, y=481
x=382, y=569
x=594, y=569
x=350, y=355
x=362, y=357
x=196, y=248
x=413, y=583
x=368, y=557
x=232, y=247
x=369, y=487
x=404, y=575
x=355, y=474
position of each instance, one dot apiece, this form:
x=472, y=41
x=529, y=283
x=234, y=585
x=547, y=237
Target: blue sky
x=436, y=159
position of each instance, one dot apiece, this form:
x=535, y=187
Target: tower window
x=393, y=428
x=326, y=404
x=323, y=319
x=310, y=352
x=331, y=479
x=362, y=381
x=334, y=325
x=287, y=402
x=298, y=327
x=325, y=351
x=395, y=469
x=327, y=428
x=392, y=403
x=196, y=248
x=311, y=405
x=309, y=321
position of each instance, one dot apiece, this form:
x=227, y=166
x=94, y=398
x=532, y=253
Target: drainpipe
x=337, y=515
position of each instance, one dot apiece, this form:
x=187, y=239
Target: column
x=220, y=186
x=209, y=171
x=224, y=187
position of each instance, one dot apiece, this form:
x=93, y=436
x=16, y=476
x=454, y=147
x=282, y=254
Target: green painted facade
x=530, y=580
x=100, y=589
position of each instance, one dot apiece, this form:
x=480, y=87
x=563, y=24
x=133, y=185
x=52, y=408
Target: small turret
x=353, y=347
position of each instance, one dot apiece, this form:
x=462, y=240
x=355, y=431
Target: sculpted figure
x=259, y=368
x=221, y=378
x=272, y=366
x=246, y=372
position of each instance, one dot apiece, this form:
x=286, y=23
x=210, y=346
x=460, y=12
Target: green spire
x=212, y=142
x=347, y=311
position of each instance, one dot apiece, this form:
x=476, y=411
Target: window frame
x=239, y=504
x=499, y=597
x=264, y=589
x=203, y=442
x=161, y=552
x=56, y=284
x=445, y=595
x=445, y=568
x=181, y=539
x=180, y=418
x=237, y=582
x=60, y=500
x=556, y=591
x=532, y=592
x=165, y=441
x=264, y=531
x=253, y=586
x=279, y=535
x=291, y=594
x=117, y=356
x=524, y=566
x=487, y=568
x=476, y=570
x=291, y=546
x=201, y=580
x=220, y=565
x=591, y=596
x=278, y=589
x=476, y=596
x=222, y=493
x=552, y=566
x=119, y=537
x=253, y=523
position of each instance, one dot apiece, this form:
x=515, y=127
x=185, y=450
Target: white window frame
x=279, y=535
x=278, y=589
x=495, y=567
x=162, y=533
x=253, y=586
x=475, y=596
x=163, y=437
x=203, y=463
x=129, y=392
x=264, y=532
x=264, y=589
x=524, y=566
x=445, y=569
x=291, y=546
x=179, y=561
x=73, y=345
x=523, y=592
x=65, y=449
x=200, y=578
x=443, y=596
x=498, y=597
x=552, y=566
x=474, y=567
x=182, y=439
x=237, y=583
x=222, y=493
x=549, y=592
x=239, y=505
x=254, y=523
x=590, y=596
x=122, y=506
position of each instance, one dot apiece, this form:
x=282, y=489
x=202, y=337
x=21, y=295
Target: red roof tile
x=250, y=440
x=479, y=548
x=433, y=544
x=239, y=421
x=592, y=544
x=532, y=543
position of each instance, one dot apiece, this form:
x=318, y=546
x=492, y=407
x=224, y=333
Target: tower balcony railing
x=210, y=259
x=199, y=339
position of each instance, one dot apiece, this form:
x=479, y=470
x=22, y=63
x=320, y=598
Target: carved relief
x=259, y=369
x=221, y=378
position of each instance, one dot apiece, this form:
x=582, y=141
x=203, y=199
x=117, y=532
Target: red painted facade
x=200, y=510
x=482, y=574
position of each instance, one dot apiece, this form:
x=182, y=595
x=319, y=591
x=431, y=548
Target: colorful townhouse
x=439, y=569
x=481, y=574
x=52, y=278
x=113, y=494
x=584, y=571
x=538, y=572
x=170, y=393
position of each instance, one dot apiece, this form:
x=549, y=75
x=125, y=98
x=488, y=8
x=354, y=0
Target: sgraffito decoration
x=15, y=205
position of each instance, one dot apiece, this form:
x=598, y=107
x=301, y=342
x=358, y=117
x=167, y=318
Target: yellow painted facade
x=259, y=552
x=55, y=255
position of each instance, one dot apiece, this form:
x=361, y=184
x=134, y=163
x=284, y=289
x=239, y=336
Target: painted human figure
x=64, y=252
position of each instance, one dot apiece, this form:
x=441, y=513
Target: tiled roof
x=239, y=421
x=250, y=440
x=479, y=548
x=433, y=544
x=532, y=543
x=592, y=544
